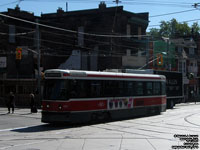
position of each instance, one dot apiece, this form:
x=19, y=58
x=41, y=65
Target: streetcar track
x=170, y=125
x=120, y=129
x=156, y=137
x=145, y=130
x=186, y=119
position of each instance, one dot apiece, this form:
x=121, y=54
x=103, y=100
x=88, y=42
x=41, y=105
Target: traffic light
x=159, y=59
x=18, y=53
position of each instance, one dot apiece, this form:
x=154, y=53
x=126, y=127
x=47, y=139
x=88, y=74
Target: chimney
x=59, y=10
x=102, y=5
x=17, y=8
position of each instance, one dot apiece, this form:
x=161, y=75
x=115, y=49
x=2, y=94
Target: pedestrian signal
x=18, y=53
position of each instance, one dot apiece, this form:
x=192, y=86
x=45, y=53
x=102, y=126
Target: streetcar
x=77, y=96
x=174, y=83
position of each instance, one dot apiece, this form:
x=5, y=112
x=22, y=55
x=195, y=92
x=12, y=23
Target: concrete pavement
x=177, y=128
x=20, y=111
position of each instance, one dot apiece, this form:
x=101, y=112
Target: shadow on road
x=43, y=128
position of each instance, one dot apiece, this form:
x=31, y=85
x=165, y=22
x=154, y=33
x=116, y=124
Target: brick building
x=86, y=39
x=97, y=34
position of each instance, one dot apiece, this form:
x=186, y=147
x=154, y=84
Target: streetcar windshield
x=56, y=90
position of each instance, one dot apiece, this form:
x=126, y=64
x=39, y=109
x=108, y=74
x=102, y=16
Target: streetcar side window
x=73, y=87
x=129, y=88
x=109, y=88
x=157, y=88
x=79, y=88
x=149, y=88
x=139, y=88
x=163, y=88
x=119, y=89
x=96, y=88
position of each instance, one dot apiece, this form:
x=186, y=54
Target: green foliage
x=195, y=28
x=173, y=29
x=154, y=32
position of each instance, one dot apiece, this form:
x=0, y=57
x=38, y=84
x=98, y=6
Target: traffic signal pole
x=38, y=60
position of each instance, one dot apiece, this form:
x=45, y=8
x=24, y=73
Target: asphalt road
x=176, y=128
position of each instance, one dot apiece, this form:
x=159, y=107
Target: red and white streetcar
x=83, y=96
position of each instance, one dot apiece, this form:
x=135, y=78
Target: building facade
x=95, y=39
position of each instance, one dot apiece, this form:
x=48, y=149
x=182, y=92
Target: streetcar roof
x=59, y=73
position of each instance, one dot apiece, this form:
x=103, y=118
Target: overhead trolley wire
x=71, y=31
x=10, y=3
x=59, y=34
x=178, y=12
x=180, y=22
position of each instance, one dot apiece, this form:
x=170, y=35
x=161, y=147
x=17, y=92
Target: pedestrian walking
x=32, y=103
x=11, y=102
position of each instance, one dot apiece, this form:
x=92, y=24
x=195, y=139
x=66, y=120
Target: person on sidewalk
x=11, y=102
x=32, y=103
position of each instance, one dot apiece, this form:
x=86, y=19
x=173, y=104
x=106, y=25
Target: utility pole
x=196, y=5
x=147, y=52
x=117, y=2
x=38, y=60
x=66, y=7
x=168, y=67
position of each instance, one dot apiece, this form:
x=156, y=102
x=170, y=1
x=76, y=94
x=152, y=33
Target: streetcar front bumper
x=55, y=117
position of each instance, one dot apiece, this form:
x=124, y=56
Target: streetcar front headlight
x=48, y=106
x=60, y=107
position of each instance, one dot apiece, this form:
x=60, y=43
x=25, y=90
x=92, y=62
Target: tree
x=173, y=29
x=195, y=28
x=154, y=32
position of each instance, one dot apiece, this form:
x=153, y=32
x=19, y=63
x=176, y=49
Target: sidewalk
x=21, y=112
x=188, y=103
x=26, y=111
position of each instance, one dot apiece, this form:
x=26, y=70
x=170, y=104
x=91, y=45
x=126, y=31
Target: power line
x=180, y=22
x=178, y=12
x=71, y=31
x=9, y=3
x=159, y=4
x=68, y=36
x=17, y=34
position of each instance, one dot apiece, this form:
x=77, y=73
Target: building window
x=179, y=50
x=128, y=52
x=191, y=51
x=81, y=36
x=184, y=67
x=180, y=66
x=128, y=30
x=139, y=32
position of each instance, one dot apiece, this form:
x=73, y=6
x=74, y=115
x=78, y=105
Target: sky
x=181, y=10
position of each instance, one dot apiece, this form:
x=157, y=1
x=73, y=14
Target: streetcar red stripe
x=149, y=101
x=91, y=105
